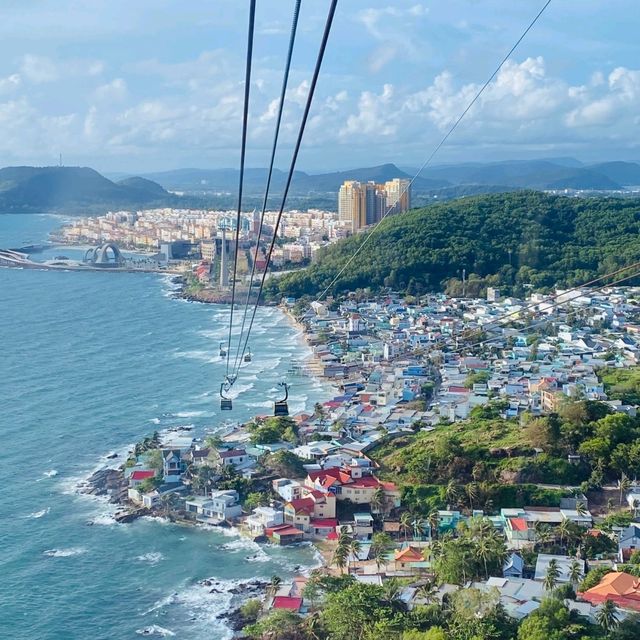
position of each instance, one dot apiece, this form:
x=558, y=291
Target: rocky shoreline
x=209, y=295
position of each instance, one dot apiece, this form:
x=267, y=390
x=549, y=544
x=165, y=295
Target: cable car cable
x=243, y=147
x=283, y=91
x=435, y=150
x=312, y=87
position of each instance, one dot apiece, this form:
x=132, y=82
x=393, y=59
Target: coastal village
x=404, y=368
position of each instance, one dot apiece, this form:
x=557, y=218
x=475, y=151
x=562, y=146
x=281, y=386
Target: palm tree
x=472, y=493
x=433, y=521
x=624, y=484
x=390, y=591
x=427, y=591
x=354, y=549
x=552, y=575
x=498, y=548
x=581, y=508
x=380, y=548
x=483, y=551
x=406, y=523
x=451, y=492
x=274, y=583
x=575, y=572
x=607, y=615
x=378, y=501
x=418, y=527
x=543, y=533
x=340, y=556
x=564, y=530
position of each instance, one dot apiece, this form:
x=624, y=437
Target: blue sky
x=148, y=85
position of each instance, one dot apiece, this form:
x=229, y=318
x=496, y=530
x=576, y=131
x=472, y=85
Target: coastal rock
x=105, y=482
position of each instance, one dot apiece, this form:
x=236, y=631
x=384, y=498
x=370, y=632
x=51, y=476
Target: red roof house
x=288, y=603
x=617, y=586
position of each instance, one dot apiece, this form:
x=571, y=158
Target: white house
x=261, y=518
x=220, y=506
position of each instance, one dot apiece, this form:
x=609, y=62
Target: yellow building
x=364, y=203
x=398, y=193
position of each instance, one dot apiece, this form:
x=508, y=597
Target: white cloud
x=38, y=69
x=114, y=91
x=42, y=70
x=10, y=83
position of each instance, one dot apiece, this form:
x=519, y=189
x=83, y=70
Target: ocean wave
x=260, y=405
x=189, y=414
x=50, y=474
x=214, y=334
x=105, y=518
x=206, y=601
x=242, y=544
x=155, y=630
x=154, y=557
x=64, y=553
x=238, y=390
x=39, y=514
x=155, y=420
x=199, y=354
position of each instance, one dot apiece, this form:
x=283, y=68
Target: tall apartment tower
x=398, y=195
x=224, y=268
x=352, y=205
x=365, y=203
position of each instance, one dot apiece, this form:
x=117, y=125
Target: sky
x=148, y=85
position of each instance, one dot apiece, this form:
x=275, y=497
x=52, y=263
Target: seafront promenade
x=10, y=258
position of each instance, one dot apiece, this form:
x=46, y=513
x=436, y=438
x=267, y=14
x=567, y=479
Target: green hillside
x=507, y=240
x=71, y=189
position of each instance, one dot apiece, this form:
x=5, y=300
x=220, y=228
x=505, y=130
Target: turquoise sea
x=90, y=363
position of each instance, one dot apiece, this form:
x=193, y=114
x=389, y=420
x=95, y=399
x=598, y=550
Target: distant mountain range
x=84, y=190
x=73, y=189
x=561, y=173
x=539, y=174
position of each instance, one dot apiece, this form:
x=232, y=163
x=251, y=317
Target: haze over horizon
x=395, y=76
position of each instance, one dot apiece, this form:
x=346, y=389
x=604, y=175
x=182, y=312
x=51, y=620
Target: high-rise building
x=398, y=195
x=352, y=205
x=365, y=203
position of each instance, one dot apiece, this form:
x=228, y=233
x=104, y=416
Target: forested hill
x=508, y=240
x=73, y=189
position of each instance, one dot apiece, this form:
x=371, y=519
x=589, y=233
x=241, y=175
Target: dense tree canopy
x=507, y=239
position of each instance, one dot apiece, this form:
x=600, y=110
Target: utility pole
x=464, y=282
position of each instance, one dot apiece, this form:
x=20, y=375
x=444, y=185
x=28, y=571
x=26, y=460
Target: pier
x=98, y=261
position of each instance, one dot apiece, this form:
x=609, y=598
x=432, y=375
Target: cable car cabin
x=225, y=403
x=247, y=356
x=281, y=407
x=223, y=351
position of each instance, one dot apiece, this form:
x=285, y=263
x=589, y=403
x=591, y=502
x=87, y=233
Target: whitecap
x=189, y=414
x=239, y=389
x=152, y=558
x=51, y=474
x=105, y=519
x=39, y=514
x=155, y=420
x=64, y=553
x=155, y=630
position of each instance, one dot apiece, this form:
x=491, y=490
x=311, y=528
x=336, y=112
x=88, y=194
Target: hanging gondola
x=281, y=407
x=223, y=351
x=225, y=403
x=247, y=356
